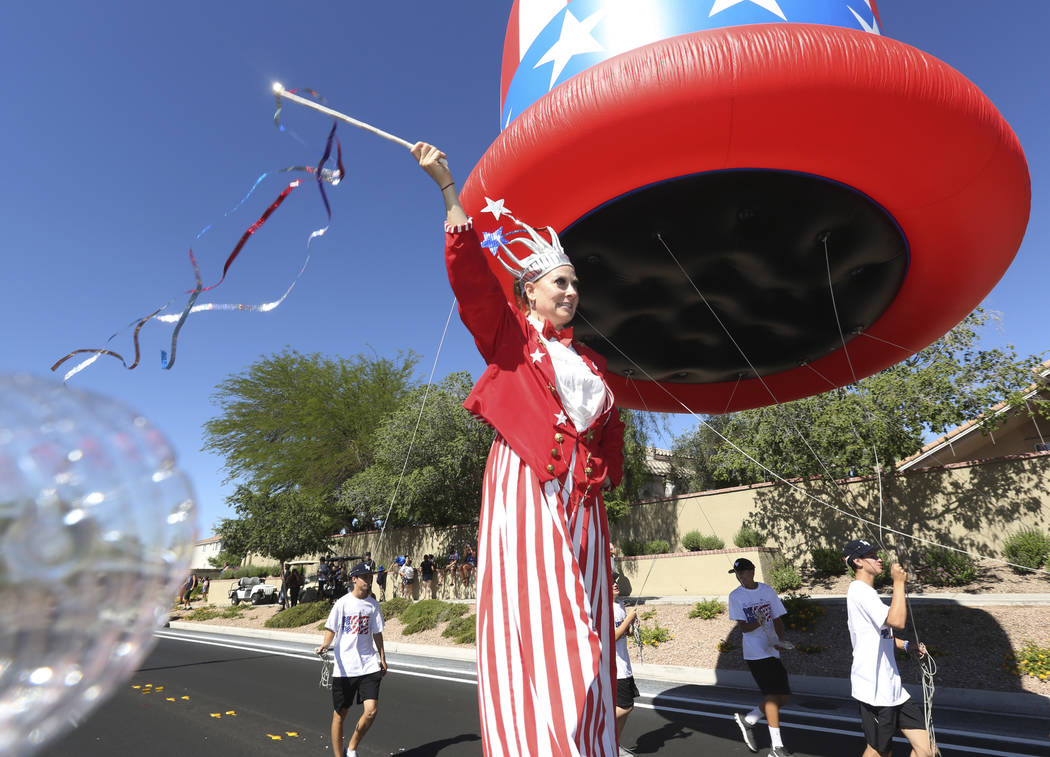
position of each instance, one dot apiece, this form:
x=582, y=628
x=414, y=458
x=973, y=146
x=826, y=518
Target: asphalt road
x=224, y=697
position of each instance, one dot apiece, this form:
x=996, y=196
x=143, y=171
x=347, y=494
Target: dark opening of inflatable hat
x=763, y=200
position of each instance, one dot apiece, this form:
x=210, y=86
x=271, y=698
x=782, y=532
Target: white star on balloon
x=872, y=28
x=770, y=5
x=560, y=419
x=495, y=207
x=536, y=356
x=575, y=39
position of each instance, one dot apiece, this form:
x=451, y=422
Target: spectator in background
x=381, y=582
x=282, y=596
x=452, y=564
x=187, y=590
x=368, y=562
x=426, y=577
x=467, y=564
x=395, y=568
x=295, y=585
x=408, y=578
x=205, y=585
x=324, y=578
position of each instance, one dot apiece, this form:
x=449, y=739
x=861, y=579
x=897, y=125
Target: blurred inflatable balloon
x=764, y=199
x=96, y=531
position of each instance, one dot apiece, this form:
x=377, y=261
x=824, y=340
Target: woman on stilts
x=546, y=664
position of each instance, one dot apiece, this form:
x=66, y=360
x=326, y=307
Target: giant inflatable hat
x=763, y=199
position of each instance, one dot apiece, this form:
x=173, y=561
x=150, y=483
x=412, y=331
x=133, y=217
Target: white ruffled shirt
x=582, y=391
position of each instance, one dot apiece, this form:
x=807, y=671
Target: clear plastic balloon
x=96, y=531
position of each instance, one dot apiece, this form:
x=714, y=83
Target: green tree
x=282, y=525
x=442, y=475
x=305, y=422
x=880, y=419
x=638, y=427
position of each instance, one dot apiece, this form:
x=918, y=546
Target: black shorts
x=880, y=724
x=626, y=691
x=427, y=577
x=770, y=675
x=348, y=690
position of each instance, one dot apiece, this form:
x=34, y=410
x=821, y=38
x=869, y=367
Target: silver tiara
x=544, y=255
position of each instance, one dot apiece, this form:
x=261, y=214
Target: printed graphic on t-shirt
x=358, y=624
x=759, y=613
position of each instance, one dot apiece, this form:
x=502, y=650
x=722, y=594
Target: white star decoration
x=770, y=5
x=575, y=39
x=872, y=28
x=537, y=356
x=560, y=419
x=495, y=207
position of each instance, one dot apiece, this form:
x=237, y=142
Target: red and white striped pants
x=546, y=675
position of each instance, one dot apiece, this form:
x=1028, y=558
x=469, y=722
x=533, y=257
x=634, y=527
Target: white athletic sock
x=774, y=736
x=754, y=716
x=351, y=752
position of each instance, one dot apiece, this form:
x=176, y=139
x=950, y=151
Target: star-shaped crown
x=544, y=255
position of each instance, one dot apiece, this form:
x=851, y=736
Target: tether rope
x=415, y=430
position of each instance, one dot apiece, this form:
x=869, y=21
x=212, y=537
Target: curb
x=1005, y=702
x=966, y=600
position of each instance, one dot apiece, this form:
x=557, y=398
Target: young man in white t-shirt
x=885, y=707
x=757, y=610
x=356, y=626
x=626, y=688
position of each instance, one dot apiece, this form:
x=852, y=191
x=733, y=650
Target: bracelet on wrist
x=450, y=184
x=907, y=646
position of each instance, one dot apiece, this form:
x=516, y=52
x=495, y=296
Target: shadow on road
x=433, y=749
x=242, y=658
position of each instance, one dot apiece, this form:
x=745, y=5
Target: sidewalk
x=993, y=702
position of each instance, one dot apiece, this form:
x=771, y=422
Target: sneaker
x=778, y=751
x=625, y=752
x=747, y=731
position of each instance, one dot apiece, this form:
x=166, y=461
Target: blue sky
x=129, y=126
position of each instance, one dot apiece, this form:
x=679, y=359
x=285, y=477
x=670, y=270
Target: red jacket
x=517, y=394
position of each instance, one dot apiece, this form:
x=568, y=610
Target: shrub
x=1030, y=660
x=695, y=541
x=946, y=567
x=802, y=612
x=654, y=635
x=784, y=577
x=749, y=537
x=454, y=610
x=300, y=615
x=461, y=629
x=422, y=616
x=1029, y=547
x=828, y=562
x=252, y=571
x=632, y=548
x=707, y=609
x=394, y=607
x=657, y=547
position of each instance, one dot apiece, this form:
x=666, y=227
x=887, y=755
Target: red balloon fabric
x=891, y=123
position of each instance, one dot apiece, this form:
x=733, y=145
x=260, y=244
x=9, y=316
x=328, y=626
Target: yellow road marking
x=169, y=699
x=231, y=712
x=185, y=697
x=216, y=714
x=274, y=736
x=293, y=734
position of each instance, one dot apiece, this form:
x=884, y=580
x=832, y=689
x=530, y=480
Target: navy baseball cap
x=857, y=548
x=360, y=570
x=742, y=563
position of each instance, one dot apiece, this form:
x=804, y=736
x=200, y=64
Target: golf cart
x=253, y=590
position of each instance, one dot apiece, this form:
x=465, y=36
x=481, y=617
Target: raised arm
x=435, y=163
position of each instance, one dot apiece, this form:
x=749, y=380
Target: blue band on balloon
x=588, y=32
